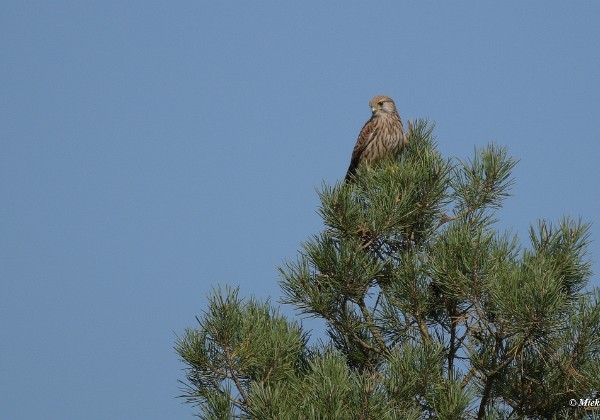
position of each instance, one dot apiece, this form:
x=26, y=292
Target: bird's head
x=381, y=104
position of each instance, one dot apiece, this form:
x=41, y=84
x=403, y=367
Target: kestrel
x=381, y=137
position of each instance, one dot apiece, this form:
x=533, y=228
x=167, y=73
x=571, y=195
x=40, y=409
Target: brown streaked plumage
x=381, y=137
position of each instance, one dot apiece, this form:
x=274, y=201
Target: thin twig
x=371, y=325
x=234, y=377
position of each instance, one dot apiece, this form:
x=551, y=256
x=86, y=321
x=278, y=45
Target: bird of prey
x=381, y=137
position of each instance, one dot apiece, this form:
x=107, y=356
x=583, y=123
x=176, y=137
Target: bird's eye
x=380, y=103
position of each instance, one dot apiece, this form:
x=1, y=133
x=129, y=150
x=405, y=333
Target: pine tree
x=431, y=312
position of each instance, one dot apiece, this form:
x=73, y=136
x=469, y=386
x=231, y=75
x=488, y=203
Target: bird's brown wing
x=364, y=138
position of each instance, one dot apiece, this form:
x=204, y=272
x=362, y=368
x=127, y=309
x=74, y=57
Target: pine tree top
x=431, y=312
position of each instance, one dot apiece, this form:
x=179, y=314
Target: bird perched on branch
x=381, y=137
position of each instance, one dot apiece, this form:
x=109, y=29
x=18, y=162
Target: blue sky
x=152, y=150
